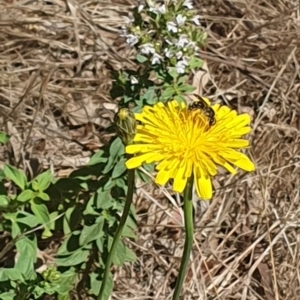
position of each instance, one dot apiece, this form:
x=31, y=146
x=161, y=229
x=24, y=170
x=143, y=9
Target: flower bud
x=125, y=124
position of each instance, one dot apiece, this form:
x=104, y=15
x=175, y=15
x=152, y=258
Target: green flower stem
x=130, y=184
x=189, y=232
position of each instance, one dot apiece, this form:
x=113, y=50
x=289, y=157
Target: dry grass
x=54, y=58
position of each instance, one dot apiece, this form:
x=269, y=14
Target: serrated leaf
x=91, y=233
x=15, y=175
x=74, y=259
x=42, y=214
x=42, y=181
x=26, y=195
x=97, y=158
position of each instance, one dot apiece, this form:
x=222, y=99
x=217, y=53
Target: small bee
x=205, y=108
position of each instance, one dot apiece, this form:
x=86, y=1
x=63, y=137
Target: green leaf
x=116, y=149
x=27, y=250
x=195, y=62
x=128, y=232
x=140, y=58
x=42, y=214
x=15, y=175
x=61, y=296
x=42, y=181
x=15, y=229
x=173, y=72
x=4, y=201
x=27, y=219
x=70, y=244
x=123, y=254
x=108, y=288
x=66, y=282
x=168, y=93
x=119, y=168
x=10, y=274
x=97, y=158
x=8, y=296
x=95, y=283
x=43, y=196
x=149, y=96
x=4, y=138
x=109, y=184
x=26, y=196
x=74, y=259
x=89, y=209
x=104, y=199
x=71, y=219
x=91, y=233
x=120, y=182
x=186, y=88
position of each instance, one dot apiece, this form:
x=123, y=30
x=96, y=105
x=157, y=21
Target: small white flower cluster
x=165, y=32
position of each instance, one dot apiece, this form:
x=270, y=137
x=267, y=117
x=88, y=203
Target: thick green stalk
x=130, y=184
x=189, y=233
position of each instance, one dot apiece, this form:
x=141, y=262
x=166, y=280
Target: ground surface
x=55, y=57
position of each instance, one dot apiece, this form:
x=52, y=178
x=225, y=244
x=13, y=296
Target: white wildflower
x=171, y=26
x=179, y=54
x=140, y=8
x=162, y=9
x=196, y=20
x=131, y=39
x=168, y=53
x=180, y=19
x=180, y=66
x=156, y=59
x=188, y=4
x=183, y=40
x=147, y=49
x=133, y=80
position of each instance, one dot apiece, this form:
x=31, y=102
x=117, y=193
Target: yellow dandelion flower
x=184, y=142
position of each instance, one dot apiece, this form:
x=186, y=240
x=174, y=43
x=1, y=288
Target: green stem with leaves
x=189, y=233
x=130, y=184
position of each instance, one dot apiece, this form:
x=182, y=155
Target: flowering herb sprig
x=166, y=33
x=167, y=37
